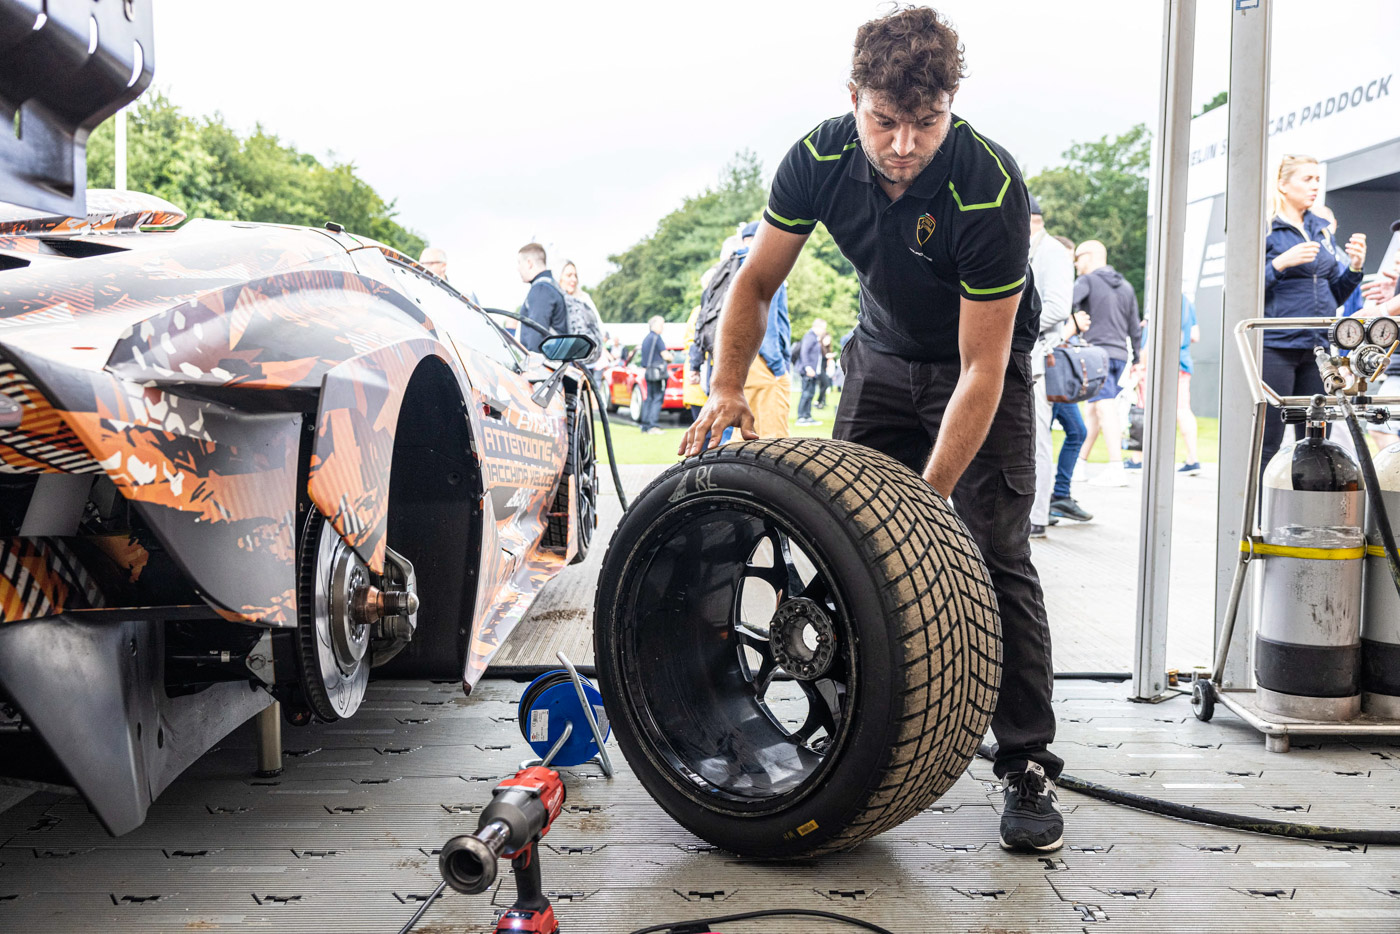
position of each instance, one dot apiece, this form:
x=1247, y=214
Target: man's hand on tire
x=722, y=410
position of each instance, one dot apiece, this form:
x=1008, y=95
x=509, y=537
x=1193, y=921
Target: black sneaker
x=1066, y=507
x=1030, y=815
x=1038, y=531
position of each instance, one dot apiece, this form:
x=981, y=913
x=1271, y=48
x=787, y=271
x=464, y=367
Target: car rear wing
x=65, y=66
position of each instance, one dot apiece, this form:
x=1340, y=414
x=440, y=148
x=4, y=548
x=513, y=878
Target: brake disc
x=334, y=648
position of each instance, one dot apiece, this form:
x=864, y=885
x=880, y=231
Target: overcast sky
x=582, y=124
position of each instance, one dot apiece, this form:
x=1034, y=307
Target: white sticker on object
x=602, y=717
x=539, y=726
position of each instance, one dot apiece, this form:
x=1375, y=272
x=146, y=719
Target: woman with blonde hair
x=601, y=359
x=1302, y=279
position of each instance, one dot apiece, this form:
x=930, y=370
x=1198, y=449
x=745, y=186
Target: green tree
x=1219, y=100
x=1100, y=193
x=204, y=168
x=660, y=275
x=817, y=288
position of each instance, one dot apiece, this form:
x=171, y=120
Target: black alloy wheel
x=583, y=465
x=797, y=643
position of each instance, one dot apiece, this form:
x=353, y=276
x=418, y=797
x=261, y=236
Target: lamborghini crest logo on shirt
x=925, y=228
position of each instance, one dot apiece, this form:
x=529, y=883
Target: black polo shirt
x=961, y=230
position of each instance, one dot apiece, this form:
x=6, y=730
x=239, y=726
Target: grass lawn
x=633, y=447
x=1207, y=443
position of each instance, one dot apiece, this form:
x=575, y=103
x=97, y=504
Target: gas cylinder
x=1307, y=647
x=1380, y=609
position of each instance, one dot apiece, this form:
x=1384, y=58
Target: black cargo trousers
x=896, y=406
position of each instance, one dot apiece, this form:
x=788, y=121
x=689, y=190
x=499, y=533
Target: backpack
x=583, y=319
x=1075, y=371
x=712, y=303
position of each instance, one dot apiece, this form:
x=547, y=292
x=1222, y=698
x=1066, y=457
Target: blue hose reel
x=553, y=703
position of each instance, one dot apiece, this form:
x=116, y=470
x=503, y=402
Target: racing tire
x=582, y=465
x=877, y=605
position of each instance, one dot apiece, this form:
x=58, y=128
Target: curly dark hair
x=912, y=55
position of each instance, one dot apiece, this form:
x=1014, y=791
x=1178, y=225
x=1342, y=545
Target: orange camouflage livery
x=219, y=379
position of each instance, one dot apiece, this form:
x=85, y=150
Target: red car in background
x=627, y=385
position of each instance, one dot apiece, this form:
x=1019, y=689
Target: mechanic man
x=544, y=303
x=934, y=218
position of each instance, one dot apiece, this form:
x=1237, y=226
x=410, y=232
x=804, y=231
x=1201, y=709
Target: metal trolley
x=1244, y=702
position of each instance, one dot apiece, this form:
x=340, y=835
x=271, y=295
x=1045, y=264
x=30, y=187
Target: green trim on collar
x=831, y=158
x=1004, y=185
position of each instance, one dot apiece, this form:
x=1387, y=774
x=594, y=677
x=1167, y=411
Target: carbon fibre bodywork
x=223, y=378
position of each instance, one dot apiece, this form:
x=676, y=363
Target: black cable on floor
x=703, y=924
x=423, y=908
x=1093, y=676
x=1197, y=815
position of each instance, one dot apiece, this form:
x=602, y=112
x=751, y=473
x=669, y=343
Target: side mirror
x=564, y=348
x=567, y=347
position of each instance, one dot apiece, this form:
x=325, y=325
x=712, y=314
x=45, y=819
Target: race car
x=627, y=387
x=241, y=462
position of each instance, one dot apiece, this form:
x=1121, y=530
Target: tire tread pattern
x=938, y=600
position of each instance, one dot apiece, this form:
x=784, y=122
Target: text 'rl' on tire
x=797, y=643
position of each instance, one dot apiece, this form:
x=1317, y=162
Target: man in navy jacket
x=810, y=361
x=544, y=303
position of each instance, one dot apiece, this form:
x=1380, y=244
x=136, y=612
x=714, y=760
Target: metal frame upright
x=1244, y=299
x=1171, y=148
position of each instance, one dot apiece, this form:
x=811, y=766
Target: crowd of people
x=784, y=368
x=1083, y=298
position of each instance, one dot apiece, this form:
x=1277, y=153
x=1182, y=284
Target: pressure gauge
x=1347, y=333
x=1382, y=331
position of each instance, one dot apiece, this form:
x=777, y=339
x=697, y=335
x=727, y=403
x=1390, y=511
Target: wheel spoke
x=817, y=590
x=782, y=574
x=820, y=712
x=767, y=668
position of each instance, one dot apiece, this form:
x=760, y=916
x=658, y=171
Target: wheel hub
x=349, y=633
x=803, y=639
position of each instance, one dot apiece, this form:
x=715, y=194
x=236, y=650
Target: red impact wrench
x=522, y=809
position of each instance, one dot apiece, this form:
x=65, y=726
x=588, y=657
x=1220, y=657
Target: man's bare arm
x=984, y=341
x=741, y=327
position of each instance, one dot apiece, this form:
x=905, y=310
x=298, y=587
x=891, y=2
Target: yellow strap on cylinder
x=1265, y=550
x=1375, y=551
